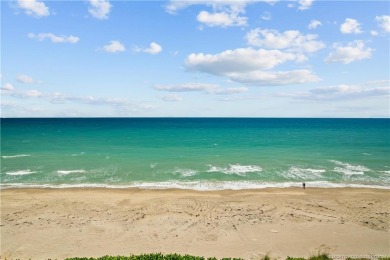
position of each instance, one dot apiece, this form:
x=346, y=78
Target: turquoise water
x=194, y=153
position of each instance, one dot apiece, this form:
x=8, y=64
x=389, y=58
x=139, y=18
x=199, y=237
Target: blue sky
x=195, y=58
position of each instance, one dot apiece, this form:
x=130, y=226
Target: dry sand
x=60, y=223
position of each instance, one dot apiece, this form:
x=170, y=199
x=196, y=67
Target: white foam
x=153, y=165
x=78, y=154
x=22, y=172
x=15, y=156
x=197, y=185
x=349, y=169
x=185, y=172
x=295, y=172
x=237, y=169
x=63, y=172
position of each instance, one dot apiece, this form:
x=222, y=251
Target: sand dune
x=50, y=223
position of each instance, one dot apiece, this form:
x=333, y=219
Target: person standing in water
x=303, y=185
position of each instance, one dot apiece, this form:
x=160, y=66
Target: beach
x=91, y=222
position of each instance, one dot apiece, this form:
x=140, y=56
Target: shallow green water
x=195, y=153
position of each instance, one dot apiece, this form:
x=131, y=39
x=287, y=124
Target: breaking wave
x=21, y=172
x=14, y=156
x=349, y=169
x=237, y=169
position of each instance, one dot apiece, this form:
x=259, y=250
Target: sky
x=249, y=58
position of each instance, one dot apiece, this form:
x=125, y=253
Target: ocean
x=194, y=153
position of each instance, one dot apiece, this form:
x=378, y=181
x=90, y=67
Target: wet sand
x=60, y=223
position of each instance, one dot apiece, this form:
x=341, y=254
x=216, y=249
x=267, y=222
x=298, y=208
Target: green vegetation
x=158, y=256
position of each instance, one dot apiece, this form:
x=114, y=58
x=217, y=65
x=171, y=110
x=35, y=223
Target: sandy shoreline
x=60, y=223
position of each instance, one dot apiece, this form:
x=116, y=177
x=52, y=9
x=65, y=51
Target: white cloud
x=154, y=48
x=291, y=40
x=22, y=78
x=54, y=38
x=171, y=98
x=120, y=105
x=341, y=92
x=305, y=4
x=7, y=87
x=99, y=8
x=33, y=93
x=348, y=53
x=201, y=87
x=223, y=19
x=314, y=24
x=384, y=22
x=174, y=6
x=250, y=66
x=11, y=91
x=230, y=91
x=114, y=46
x=34, y=8
x=273, y=78
x=374, y=33
x=242, y=59
x=350, y=26
x=224, y=14
x=60, y=98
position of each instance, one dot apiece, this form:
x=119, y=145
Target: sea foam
x=185, y=172
x=22, y=172
x=237, y=169
x=197, y=185
x=15, y=156
x=349, y=169
x=63, y=172
x=295, y=172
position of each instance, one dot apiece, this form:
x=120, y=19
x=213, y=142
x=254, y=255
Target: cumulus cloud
x=34, y=8
x=154, y=48
x=25, y=79
x=54, y=38
x=242, y=59
x=7, y=87
x=224, y=13
x=174, y=6
x=350, y=26
x=352, y=51
x=314, y=24
x=201, y=87
x=384, y=22
x=250, y=66
x=305, y=4
x=341, y=92
x=222, y=19
x=114, y=46
x=291, y=40
x=99, y=8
